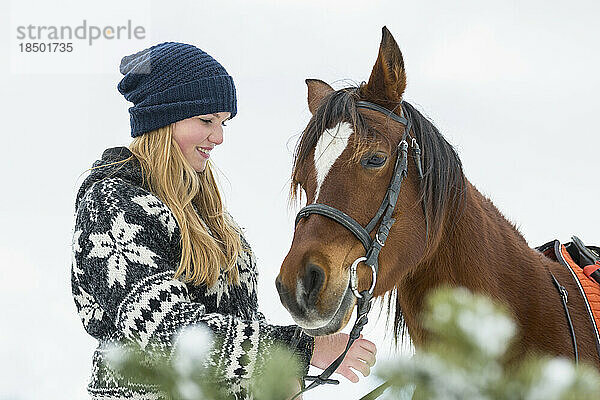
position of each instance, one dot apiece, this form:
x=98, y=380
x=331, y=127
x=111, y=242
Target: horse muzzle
x=318, y=310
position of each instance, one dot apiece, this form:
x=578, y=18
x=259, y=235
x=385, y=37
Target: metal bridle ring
x=354, y=277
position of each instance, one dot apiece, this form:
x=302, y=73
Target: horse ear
x=317, y=90
x=388, y=78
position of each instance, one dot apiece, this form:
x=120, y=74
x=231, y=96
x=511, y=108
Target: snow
x=558, y=375
x=116, y=356
x=189, y=390
x=191, y=349
x=488, y=329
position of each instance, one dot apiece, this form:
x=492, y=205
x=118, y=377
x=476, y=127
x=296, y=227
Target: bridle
x=372, y=246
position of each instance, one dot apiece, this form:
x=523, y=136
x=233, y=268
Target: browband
x=375, y=107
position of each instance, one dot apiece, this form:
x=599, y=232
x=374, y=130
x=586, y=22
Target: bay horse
x=445, y=231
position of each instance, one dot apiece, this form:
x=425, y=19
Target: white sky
x=512, y=84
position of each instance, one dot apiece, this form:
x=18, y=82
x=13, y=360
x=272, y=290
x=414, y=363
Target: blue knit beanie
x=172, y=81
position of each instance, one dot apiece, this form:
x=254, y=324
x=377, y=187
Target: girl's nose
x=216, y=136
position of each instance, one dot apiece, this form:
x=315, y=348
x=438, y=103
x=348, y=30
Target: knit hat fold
x=172, y=81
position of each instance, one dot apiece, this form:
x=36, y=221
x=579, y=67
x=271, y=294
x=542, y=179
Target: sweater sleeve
x=122, y=280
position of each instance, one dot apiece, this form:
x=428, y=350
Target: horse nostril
x=313, y=281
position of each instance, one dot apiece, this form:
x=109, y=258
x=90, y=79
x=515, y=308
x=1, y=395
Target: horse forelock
x=338, y=107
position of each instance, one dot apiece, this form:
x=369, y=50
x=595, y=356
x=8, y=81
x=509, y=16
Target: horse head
x=346, y=159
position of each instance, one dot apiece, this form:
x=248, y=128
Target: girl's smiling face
x=198, y=136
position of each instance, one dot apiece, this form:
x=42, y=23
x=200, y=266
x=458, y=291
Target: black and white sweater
x=125, y=252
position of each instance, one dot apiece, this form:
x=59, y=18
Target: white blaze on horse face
x=330, y=146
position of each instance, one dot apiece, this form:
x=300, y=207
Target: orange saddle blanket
x=584, y=264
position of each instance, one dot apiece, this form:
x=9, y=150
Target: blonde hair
x=196, y=203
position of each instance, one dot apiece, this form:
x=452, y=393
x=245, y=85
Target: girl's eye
x=209, y=121
x=374, y=160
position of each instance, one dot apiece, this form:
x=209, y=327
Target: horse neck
x=482, y=251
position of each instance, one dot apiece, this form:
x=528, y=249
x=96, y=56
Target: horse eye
x=374, y=160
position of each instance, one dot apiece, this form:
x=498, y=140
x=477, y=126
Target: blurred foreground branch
x=464, y=360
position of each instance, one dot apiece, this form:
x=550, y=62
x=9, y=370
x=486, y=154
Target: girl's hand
x=360, y=357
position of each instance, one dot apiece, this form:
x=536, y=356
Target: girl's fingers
x=361, y=357
x=362, y=367
x=364, y=355
x=367, y=345
x=348, y=374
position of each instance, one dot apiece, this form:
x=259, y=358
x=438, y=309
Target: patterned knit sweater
x=126, y=248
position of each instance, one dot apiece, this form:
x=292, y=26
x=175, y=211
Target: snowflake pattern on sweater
x=124, y=255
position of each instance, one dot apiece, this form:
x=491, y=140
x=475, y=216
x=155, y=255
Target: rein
x=372, y=246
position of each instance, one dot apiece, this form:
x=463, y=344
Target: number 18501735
x=43, y=47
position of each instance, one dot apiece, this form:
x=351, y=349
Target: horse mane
x=443, y=187
x=443, y=192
